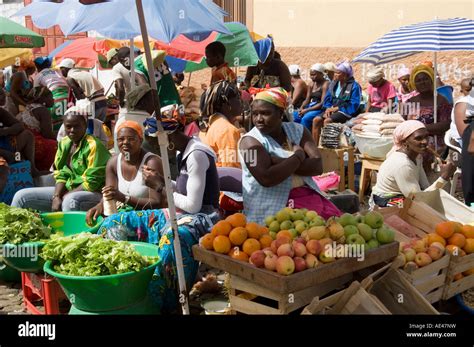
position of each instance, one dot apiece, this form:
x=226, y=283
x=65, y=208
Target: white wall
x=6, y=10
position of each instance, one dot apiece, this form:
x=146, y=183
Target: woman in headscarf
x=220, y=105
x=382, y=94
x=124, y=181
x=270, y=71
x=37, y=118
x=57, y=85
x=313, y=105
x=167, y=92
x=421, y=79
x=279, y=160
x=79, y=172
x=20, y=84
x=404, y=92
x=196, y=199
x=402, y=173
x=342, y=101
x=299, y=88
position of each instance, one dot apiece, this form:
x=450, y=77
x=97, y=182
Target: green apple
x=273, y=234
x=307, y=219
x=365, y=231
x=371, y=244
x=300, y=227
x=286, y=225
x=312, y=214
x=350, y=229
x=347, y=219
x=355, y=239
x=282, y=216
x=304, y=210
x=269, y=220
x=274, y=226
x=385, y=235
x=317, y=222
x=374, y=220
x=296, y=215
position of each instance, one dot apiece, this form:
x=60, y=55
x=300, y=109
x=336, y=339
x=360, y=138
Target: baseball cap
x=68, y=63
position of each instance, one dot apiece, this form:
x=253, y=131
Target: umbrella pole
x=163, y=142
x=132, y=65
x=189, y=78
x=435, y=95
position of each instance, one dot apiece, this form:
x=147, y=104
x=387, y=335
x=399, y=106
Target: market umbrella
x=87, y=52
x=11, y=56
x=167, y=23
x=14, y=35
x=166, y=19
x=456, y=34
x=187, y=53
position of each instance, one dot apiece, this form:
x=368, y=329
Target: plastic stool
x=369, y=164
x=41, y=288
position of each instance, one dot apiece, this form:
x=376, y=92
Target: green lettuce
x=18, y=225
x=91, y=255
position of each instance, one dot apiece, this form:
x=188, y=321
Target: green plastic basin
x=25, y=257
x=9, y=274
x=111, y=292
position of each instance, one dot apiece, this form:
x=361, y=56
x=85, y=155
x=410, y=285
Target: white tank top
x=137, y=187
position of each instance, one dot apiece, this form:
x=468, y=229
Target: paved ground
x=11, y=298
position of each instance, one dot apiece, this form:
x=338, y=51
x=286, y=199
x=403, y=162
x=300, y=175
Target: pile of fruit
x=452, y=237
x=295, y=239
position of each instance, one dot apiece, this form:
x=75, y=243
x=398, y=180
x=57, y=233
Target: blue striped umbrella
x=456, y=34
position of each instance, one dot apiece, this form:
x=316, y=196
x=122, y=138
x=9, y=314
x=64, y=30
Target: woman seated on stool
x=79, y=172
x=402, y=173
x=124, y=181
x=279, y=160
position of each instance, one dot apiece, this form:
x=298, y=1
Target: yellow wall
x=345, y=23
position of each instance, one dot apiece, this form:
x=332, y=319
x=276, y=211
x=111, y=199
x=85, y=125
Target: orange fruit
x=221, y=228
x=264, y=230
x=237, y=220
x=206, y=241
x=236, y=253
x=238, y=235
x=435, y=238
x=469, y=246
x=254, y=230
x=265, y=241
x=221, y=244
x=457, y=239
x=250, y=246
x=468, y=231
x=469, y=272
x=458, y=276
x=445, y=229
x=285, y=233
x=457, y=227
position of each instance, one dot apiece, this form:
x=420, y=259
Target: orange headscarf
x=132, y=125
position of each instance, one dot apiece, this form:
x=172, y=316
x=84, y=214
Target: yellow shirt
x=223, y=138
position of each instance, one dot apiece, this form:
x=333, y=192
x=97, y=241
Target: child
x=215, y=54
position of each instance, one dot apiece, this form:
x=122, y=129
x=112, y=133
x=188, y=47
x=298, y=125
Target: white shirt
x=121, y=72
x=469, y=113
x=88, y=83
x=50, y=79
x=197, y=164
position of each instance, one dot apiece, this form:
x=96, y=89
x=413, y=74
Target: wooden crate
x=374, y=296
x=276, y=303
x=298, y=281
x=429, y=280
x=459, y=265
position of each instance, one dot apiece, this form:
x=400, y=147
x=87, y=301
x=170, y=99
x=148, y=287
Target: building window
x=237, y=10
